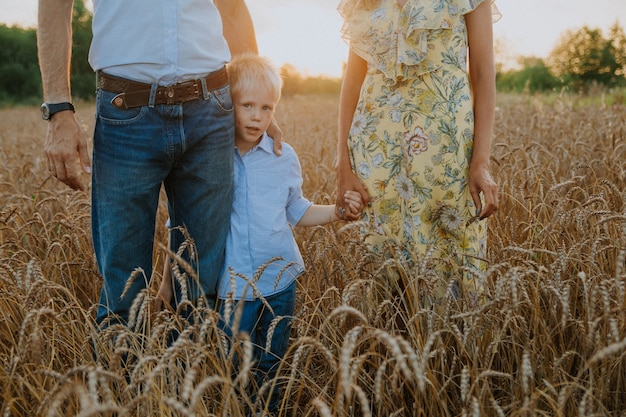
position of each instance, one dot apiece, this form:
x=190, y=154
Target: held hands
x=354, y=193
x=353, y=206
x=66, y=150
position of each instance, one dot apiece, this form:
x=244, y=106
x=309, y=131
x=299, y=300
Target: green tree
x=585, y=56
x=534, y=76
x=20, y=80
x=617, y=39
x=83, y=77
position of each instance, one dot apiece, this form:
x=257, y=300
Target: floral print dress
x=411, y=139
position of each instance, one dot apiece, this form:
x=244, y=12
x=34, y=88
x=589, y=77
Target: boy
x=262, y=256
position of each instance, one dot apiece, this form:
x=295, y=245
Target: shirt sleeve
x=297, y=204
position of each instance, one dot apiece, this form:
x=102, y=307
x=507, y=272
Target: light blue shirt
x=268, y=201
x=157, y=41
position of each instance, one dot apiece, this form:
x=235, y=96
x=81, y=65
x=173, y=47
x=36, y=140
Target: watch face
x=45, y=112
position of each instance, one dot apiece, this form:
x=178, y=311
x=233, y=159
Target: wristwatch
x=50, y=109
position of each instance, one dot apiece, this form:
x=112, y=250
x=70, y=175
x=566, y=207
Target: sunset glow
x=306, y=33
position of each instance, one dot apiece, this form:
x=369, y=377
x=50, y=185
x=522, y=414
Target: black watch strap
x=50, y=109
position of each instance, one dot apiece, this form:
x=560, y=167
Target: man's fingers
x=69, y=176
x=67, y=151
x=278, y=147
x=85, y=161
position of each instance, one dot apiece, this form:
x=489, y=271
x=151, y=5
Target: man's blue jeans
x=188, y=148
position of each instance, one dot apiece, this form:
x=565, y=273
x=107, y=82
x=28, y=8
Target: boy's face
x=254, y=111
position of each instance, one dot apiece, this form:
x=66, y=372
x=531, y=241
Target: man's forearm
x=54, y=43
x=238, y=26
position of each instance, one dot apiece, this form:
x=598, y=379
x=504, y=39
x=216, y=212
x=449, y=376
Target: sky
x=306, y=33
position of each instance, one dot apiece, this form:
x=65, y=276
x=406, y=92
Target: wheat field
x=549, y=341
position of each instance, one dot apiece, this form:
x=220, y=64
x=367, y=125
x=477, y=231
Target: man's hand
x=274, y=132
x=66, y=150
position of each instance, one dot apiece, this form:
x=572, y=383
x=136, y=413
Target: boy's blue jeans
x=256, y=320
x=189, y=149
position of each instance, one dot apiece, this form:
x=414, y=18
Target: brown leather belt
x=136, y=94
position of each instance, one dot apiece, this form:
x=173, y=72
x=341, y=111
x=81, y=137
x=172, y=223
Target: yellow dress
x=411, y=140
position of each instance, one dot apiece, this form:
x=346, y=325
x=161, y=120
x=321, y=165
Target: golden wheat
x=549, y=340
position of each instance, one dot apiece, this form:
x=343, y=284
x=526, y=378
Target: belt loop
x=205, y=91
x=153, y=92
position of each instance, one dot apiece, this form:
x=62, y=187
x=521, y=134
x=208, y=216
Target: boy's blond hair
x=248, y=70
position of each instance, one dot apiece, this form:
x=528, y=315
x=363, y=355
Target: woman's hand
x=354, y=203
x=348, y=183
x=480, y=181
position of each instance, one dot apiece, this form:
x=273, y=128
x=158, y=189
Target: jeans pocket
x=223, y=99
x=108, y=113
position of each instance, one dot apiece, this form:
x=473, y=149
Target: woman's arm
x=356, y=69
x=482, y=78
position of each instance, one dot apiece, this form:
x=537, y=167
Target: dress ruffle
x=397, y=44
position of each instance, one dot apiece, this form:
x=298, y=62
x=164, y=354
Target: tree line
x=581, y=58
x=20, y=79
